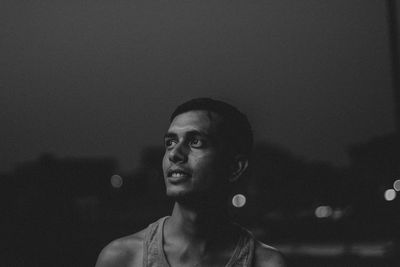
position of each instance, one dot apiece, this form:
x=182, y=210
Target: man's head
x=234, y=127
x=206, y=148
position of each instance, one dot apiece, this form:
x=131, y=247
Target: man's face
x=193, y=162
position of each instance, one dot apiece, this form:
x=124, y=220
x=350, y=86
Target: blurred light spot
x=337, y=214
x=321, y=250
x=334, y=249
x=390, y=195
x=370, y=249
x=238, y=200
x=323, y=212
x=116, y=181
x=396, y=185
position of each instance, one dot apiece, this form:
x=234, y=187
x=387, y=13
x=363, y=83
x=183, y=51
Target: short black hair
x=235, y=127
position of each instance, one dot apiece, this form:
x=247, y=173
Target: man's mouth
x=176, y=174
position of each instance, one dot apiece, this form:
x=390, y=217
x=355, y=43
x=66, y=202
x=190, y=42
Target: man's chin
x=178, y=194
x=191, y=198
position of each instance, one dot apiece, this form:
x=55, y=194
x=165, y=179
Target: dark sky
x=100, y=78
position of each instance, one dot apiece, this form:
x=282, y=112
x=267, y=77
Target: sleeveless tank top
x=154, y=256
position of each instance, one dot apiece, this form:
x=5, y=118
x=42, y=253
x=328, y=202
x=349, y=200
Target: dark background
x=86, y=89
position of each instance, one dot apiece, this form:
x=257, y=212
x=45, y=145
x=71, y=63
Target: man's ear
x=239, y=165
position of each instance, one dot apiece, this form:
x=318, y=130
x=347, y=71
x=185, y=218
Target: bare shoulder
x=267, y=256
x=125, y=251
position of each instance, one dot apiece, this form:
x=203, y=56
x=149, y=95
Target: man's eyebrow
x=199, y=133
x=189, y=133
x=169, y=135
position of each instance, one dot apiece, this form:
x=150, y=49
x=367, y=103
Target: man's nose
x=178, y=153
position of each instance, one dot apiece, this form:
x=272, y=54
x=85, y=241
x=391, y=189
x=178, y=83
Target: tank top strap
x=244, y=251
x=153, y=254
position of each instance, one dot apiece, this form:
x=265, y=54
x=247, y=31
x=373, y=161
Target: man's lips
x=177, y=174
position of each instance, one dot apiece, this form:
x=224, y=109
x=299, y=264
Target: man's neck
x=196, y=224
x=194, y=235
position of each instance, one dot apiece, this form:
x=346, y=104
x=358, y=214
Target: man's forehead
x=196, y=120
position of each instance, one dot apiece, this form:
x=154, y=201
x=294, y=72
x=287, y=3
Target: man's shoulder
x=267, y=256
x=124, y=251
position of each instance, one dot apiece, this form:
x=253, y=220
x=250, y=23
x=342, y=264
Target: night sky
x=100, y=78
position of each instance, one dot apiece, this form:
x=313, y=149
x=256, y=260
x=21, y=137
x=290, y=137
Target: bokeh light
x=337, y=214
x=238, y=200
x=390, y=194
x=396, y=185
x=116, y=181
x=323, y=211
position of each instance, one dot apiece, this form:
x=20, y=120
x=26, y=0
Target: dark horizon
x=334, y=215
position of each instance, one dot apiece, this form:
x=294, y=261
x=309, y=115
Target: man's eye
x=197, y=143
x=169, y=143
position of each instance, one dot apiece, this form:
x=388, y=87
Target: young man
x=206, y=149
